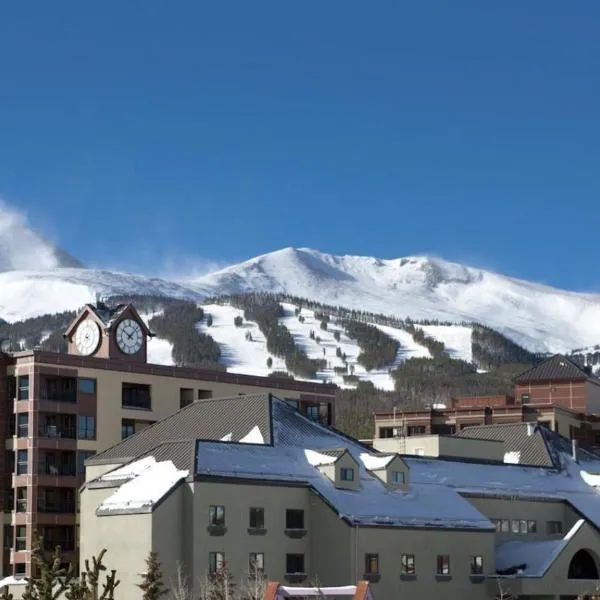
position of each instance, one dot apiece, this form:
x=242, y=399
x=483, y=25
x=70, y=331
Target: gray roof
x=556, y=368
x=210, y=419
x=524, y=438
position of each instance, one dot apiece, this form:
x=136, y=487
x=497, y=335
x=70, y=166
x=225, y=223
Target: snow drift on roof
x=512, y=458
x=532, y=559
x=373, y=463
x=316, y=459
x=254, y=436
x=146, y=486
x=130, y=470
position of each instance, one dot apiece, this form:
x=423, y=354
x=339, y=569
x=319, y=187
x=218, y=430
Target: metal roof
x=556, y=368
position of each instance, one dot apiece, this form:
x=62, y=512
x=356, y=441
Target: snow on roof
x=148, y=482
x=10, y=580
x=373, y=463
x=590, y=478
x=512, y=458
x=227, y=438
x=254, y=436
x=532, y=559
x=436, y=488
x=316, y=459
x=130, y=470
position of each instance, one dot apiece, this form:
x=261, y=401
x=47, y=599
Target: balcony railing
x=58, y=395
x=66, y=507
x=57, y=431
x=51, y=468
x=66, y=545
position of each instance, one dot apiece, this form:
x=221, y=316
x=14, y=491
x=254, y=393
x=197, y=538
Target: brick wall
x=570, y=394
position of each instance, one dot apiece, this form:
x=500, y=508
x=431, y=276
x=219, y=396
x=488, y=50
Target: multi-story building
x=558, y=393
x=60, y=409
x=268, y=492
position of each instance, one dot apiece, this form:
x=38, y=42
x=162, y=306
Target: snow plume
x=23, y=249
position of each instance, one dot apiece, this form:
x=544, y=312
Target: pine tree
x=337, y=336
x=152, y=585
x=209, y=320
x=86, y=587
x=52, y=579
x=269, y=362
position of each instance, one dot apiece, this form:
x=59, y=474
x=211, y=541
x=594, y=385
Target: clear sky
x=147, y=131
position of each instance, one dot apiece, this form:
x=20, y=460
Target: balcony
x=58, y=389
x=48, y=467
x=60, y=431
x=66, y=544
x=65, y=507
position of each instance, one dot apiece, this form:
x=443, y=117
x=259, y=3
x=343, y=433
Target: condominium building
x=270, y=493
x=60, y=409
x=558, y=393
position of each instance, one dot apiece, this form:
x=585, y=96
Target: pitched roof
x=211, y=419
x=556, y=368
x=522, y=440
x=108, y=315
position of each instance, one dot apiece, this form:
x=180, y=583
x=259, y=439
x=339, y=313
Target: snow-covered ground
x=456, y=339
x=238, y=354
x=160, y=352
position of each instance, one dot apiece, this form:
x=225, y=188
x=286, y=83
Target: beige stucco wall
x=541, y=512
x=128, y=539
x=164, y=396
x=435, y=445
x=237, y=543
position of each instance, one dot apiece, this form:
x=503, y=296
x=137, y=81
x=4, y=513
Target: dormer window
x=398, y=477
x=347, y=474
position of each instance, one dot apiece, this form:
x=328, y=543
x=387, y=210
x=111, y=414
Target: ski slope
x=456, y=339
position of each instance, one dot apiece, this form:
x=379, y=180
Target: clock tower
x=113, y=332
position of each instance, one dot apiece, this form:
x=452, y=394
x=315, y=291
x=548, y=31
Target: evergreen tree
x=337, y=336
x=152, y=585
x=238, y=321
x=209, y=320
x=86, y=587
x=269, y=362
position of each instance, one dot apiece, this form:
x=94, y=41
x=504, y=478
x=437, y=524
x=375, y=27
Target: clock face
x=87, y=337
x=130, y=336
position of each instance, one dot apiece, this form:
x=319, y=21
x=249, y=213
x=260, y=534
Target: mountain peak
x=21, y=248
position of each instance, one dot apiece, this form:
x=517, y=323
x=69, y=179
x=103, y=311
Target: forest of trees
x=377, y=348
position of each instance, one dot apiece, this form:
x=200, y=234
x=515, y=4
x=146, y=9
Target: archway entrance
x=583, y=566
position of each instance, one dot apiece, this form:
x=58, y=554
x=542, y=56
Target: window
x=186, y=397
x=11, y=388
x=127, y=428
x=294, y=563
x=87, y=386
x=216, y=515
x=257, y=518
x=553, y=527
x=21, y=541
x=294, y=519
x=136, y=395
x=514, y=526
x=22, y=462
x=522, y=526
x=312, y=411
x=524, y=398
x=82, y=456
x=407, y=564
x=215, y=561
x=347, y=474
x=476, y=565
x=256, y=563
x=443, y=564
x=20, y=569
x=23, y=385
x=398, y=477
x=372, y=564
x=419, y=451
x=416, y=430
x=22, y=424
x=531, y=526
x=87, y=428
x=8, y=536
x=205, y=394
x=22, y=499
x=386, y=432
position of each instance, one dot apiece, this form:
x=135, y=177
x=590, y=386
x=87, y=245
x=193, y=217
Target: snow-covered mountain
x=539, y=317
x=24, y=249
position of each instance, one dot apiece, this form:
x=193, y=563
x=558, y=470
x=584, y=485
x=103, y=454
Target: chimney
x=574, y=450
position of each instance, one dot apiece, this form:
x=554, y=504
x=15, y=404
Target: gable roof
x=523, y=441
x=107, y=316
x=556, y=368
x=211, y=419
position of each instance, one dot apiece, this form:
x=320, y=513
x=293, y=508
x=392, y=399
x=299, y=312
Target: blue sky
x=146, y=133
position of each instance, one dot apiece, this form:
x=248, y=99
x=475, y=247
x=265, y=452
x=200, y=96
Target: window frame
x=408, y=564
x=216, y=515
x=216, y=560
x=254, y=511
x=125, y=425
x=556, y=526
x=398, y=480
x=20, y=540
x=81, y=389
x=344, y=471
x=476, y=564
x=289, y=517
x=371, y=557
x=443, y=567
x=253, y=561
x=21, y=387
x=86, y=432
x=288, y=557
x=22, y=428
x=21, y=462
